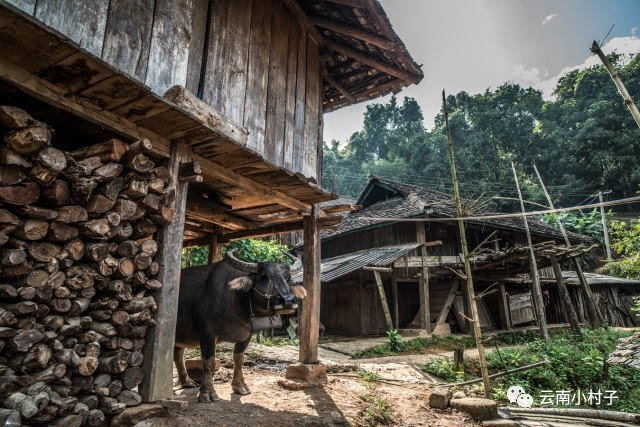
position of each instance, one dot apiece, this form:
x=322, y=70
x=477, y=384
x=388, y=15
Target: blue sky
x=475, y=44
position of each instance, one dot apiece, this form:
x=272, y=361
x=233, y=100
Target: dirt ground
x=346, y=400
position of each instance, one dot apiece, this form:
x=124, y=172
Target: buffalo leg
x=183, y=375
x=208, y=354
x=237, y=384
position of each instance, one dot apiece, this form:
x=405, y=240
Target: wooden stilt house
x=381, y=260
x=229, y=95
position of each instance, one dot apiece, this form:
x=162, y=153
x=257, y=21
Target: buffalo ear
x=299, y=291
x=242, y=284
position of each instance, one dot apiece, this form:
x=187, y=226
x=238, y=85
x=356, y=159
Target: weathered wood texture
x=251, y=60
x=310, y=312
x=158, y=369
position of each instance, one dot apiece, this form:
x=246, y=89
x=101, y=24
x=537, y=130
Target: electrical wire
x=618, y=202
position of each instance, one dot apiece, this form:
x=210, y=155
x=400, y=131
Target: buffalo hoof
x=241, y=390
x=206, y=397
x=188, y=383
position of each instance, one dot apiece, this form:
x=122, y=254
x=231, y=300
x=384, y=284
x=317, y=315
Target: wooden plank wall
x=263, y=70
x=250, y=59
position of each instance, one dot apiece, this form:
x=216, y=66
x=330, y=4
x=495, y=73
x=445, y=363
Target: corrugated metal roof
x=344, y=264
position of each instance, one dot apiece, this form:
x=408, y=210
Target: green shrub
x=444, y=368
x=625, y=241
x=574, y=364
x=395, y=340
x=252, y=250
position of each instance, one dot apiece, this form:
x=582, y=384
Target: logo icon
x=516, y=394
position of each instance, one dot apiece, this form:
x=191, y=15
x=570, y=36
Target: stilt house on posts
x=385, y=272
x=170, y=123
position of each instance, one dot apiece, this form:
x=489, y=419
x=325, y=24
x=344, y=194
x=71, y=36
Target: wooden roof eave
x=136, y=112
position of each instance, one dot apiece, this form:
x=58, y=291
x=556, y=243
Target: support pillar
x=215, y=249
x=308, y=369
x=157, y=383
x=394, y=292
x=505, y=314
x=565, y=298
x=423, y=284
x=310, y=311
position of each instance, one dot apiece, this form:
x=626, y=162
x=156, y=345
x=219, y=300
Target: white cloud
x=549, y=18
x=621, y=45
x=528, y=76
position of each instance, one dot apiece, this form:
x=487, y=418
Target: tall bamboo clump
x=76, y=273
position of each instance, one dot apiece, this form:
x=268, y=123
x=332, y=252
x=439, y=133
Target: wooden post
x=310, y=311
x=394, y=292
x=158, y=351
x=505, y=313
x=423, y=283
x=383, y=300
x=565, y=298
x=535, y=277
x=467, y=265
x=448, y=302
x=595, y=48
x=605, y=228
x=215, y=249
x=594, y=313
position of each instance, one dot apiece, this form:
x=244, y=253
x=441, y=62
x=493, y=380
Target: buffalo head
x=269, y=281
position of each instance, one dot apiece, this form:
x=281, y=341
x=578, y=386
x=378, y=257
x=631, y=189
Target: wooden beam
x=373, y=62
x=448, y=302
x=223, y=219
x=65, y=100
x=383, y=300
x=356, y=33
x=215, y=249
x=423, y=284
x=565, y=298
x=378, y=269
x=217, y=172
x=158, y=351
x=503, y=305
x=270, y=230
x=310, y=311
x=301, y=15
x=338, y=86
x=362, y=96
x=394, y=293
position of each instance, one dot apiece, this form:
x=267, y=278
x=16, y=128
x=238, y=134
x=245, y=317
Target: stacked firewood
x=77, y=273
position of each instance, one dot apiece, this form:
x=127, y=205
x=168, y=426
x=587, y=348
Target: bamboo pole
x=594, y=314
x=383, y=300
x=605, y=229
x=499, y=374
x=535, y=278
x=467, y=265
x=595, y=48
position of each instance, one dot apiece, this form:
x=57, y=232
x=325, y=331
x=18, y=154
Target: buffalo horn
x=248, y=267
x=296, y=267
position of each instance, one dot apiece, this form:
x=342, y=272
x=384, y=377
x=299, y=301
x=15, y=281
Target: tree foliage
x=583, y=139
x=626, y=244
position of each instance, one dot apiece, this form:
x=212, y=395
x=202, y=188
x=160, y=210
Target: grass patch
x=377, y=411
x=368, y=376
x=279, y=341
x=575, y=364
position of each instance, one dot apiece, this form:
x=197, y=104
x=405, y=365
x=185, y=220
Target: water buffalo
x=216, y=304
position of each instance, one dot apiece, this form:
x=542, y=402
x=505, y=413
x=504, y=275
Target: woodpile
x=77, y=273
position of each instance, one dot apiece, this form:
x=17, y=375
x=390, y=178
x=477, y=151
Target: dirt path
x=343, y=401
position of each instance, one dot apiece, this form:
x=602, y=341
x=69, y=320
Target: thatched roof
x=363, y=56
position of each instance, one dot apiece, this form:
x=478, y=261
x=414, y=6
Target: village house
x=380, y=246
x=228, y=95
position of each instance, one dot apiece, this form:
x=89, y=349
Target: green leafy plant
x=395, y=340
x=445, y=369
x=378, y=410
x=588, y=224
x=367, y=375
x=252, y=250
x=625, y=241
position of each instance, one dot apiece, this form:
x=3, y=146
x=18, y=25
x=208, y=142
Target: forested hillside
x=582, y=140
